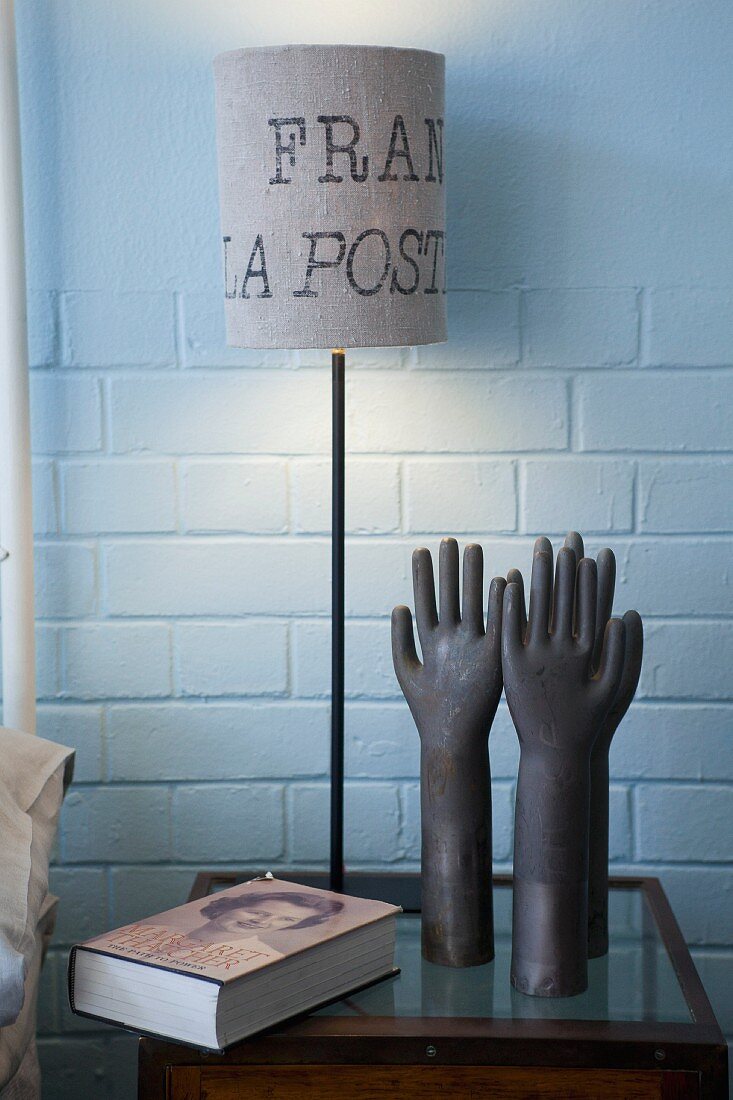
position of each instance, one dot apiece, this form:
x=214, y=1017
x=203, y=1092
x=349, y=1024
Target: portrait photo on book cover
x=265, y=915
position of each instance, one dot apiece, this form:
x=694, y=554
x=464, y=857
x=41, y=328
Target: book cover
x=239, y=930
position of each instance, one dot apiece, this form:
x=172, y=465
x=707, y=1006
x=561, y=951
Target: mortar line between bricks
x=521, y=496
x=61, y=662
x=522, y=326
x=636, y=835
x=559, y=454
x=499, y=779
x=640, y=302
x=75, y=459
x=621, y=865
x=688, y=702
x=108, y=540
x=502, y=866
x=511, y=370
x=120, y=620
x=105, y=415
x=170, y=790
x=286, y=816
x=575, y=421
x=56, y=307
x=204, y=702
x=294, y=702
x=107, y=877
x=523, y=542
x=62, y=346
x=317, y=701
x=633, y=782
x=572, y=431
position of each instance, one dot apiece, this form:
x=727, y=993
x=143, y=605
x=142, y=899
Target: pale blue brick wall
x=181, y=487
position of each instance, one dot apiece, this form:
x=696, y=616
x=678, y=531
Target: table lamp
x=331, y=179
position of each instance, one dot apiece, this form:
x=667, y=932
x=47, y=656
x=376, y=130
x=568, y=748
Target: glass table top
x=635, y=981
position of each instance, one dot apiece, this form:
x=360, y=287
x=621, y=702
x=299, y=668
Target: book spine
x=70, y=977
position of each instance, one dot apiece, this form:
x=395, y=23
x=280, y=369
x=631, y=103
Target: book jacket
x=239, y=930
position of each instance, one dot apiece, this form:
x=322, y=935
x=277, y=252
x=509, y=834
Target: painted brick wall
x=181, y=487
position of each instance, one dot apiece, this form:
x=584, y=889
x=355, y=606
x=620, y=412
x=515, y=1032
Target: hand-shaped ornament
x=558, y=706
x=453, y=694
x=599, y=771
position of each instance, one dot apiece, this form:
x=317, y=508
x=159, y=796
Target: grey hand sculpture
x=599, y=772
x=557, y=705
x=453, y=694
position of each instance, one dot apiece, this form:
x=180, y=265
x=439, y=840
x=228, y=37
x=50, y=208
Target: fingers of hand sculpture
x=404, y=653
x=608, y=678
x=448, y=570
x=585, y=607
x=473, y=589
x=574, y=542
x=564, y=594
x=604, y=601
x=512, y=629
x=494, y=618
x=423, y=584
x=540, y=595
x=515, y=577
x=634, y=630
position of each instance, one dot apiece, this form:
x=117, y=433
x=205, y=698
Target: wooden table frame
x=683, y=1051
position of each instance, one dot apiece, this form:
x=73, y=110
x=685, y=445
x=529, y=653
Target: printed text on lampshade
x=332, y=182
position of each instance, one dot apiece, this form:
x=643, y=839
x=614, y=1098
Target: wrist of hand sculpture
x=453, y=694
x=558, y=705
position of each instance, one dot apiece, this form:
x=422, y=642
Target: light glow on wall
x=229, y=24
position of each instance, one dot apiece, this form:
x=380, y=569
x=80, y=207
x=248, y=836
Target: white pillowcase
x=18, y=1054
x=34, y=774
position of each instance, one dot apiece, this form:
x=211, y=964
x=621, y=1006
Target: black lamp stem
x=338, y=364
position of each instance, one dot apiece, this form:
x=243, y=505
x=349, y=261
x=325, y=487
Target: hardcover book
x=218, y=969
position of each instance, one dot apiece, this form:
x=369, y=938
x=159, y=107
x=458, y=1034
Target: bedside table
x=644, y=1028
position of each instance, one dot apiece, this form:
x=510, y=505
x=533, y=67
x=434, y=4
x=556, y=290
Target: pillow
x=34, y=774
x=26, y=1084
x=18, y=1054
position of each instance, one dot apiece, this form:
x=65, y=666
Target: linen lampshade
x=332, y=189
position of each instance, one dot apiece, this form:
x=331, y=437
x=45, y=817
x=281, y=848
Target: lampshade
x=332, y=187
